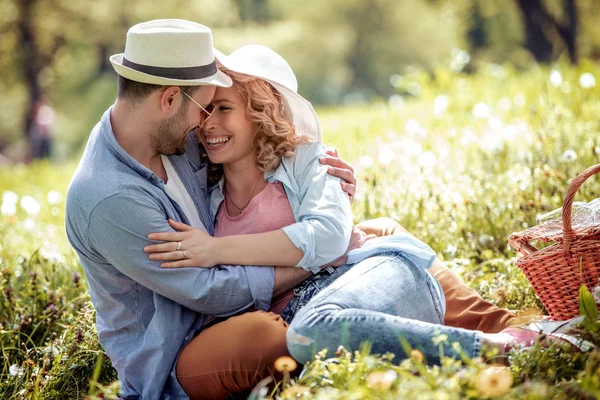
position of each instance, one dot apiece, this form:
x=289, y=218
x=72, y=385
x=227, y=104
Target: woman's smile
x=214, y=143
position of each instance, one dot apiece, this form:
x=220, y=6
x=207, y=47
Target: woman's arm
x=199, y=249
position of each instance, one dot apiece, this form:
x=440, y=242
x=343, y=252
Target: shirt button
x=172, y=374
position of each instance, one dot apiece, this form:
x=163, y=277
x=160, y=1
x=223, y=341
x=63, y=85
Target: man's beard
x=170, y=135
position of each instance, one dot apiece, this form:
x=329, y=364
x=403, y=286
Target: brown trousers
x=232, y=356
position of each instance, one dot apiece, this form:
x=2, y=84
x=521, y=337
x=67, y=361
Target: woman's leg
x=464, y=306
x=232, y=356
x=379, y=300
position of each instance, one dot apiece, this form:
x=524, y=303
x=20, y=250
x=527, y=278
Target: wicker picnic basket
x=557, y=272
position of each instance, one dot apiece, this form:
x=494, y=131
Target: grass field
x=465, y=162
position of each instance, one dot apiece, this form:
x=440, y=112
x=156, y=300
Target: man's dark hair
x=138, y=91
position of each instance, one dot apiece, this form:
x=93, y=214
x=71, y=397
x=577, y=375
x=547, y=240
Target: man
x=141, y=167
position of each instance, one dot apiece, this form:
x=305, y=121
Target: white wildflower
x=412, y=126
x=10, y=197
x=440, y=104
x=587, y=80
x=15, y=370
x=555, y=78
x=54, y=197
x=427, y=159
x=481, y=110
x=30, y=205
x=569, y=156
x=396, y=102
x=386, y=156
x=8, y=209
x=366, y=161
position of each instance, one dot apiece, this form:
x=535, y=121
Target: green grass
x=472, y=159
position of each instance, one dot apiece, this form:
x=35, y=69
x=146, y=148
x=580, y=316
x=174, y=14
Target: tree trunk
x=536, y=41
x=30, y=65
x=569, y=32
x=539, y=24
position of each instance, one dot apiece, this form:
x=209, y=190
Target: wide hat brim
x=218, y=79
x=243, y=60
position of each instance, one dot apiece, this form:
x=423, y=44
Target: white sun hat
x=262, y=62
x=170, y=52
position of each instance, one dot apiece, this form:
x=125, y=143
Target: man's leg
x=232, y=356
x=464, y=306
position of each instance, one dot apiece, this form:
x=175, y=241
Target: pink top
x=268, y=211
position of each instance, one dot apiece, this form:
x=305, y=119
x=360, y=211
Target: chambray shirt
x=146, y=314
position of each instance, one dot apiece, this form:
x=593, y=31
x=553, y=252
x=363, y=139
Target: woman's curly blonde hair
x=276, y=135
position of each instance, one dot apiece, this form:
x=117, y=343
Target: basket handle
x=567, y=208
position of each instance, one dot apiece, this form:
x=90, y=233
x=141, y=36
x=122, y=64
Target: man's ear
x=170, y=100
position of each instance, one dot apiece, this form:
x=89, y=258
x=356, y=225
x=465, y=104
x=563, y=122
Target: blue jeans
x=379, y=300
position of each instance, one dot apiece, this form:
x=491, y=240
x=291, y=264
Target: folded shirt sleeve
x=324, y=217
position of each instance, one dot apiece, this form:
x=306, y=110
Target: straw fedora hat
x=262, y=62
x=170, y=52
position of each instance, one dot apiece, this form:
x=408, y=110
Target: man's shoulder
x=100, y=175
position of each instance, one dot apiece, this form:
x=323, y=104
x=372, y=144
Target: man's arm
x=288, y=278
x=118, y=229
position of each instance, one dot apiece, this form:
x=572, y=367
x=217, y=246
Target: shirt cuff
x=261, y=281
x=300, y=238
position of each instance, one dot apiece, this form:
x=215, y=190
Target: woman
x=266, y=138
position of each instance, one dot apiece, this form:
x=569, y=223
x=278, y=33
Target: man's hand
x=342, y=170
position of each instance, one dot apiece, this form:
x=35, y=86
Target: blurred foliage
x=342, y=51
x=460, y=160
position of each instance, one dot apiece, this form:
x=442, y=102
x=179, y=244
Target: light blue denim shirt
x=146, y=314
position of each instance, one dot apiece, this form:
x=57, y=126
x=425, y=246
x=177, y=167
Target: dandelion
x=555, y=78
x=396, y=102
x=30, y=205
x=569, y=156
x=366, y=161
x=10, y=197
x=386, y=156
x=587, y=80
x=381, y=380
x=54, y=197
x=8, y=209
x=440, y=104
x=15, y=370
x=427, y=160
x=481, y=110
x=286, y=364
x=494, y=381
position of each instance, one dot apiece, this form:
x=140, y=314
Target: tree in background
x=542, y=27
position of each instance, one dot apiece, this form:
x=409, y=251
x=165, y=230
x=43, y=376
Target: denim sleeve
x=324, y=218
x=118, y=230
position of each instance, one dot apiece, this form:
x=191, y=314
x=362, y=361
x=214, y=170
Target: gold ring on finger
x=178, y=246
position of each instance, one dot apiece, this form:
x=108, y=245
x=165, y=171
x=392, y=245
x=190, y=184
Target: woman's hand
x=190, y=247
